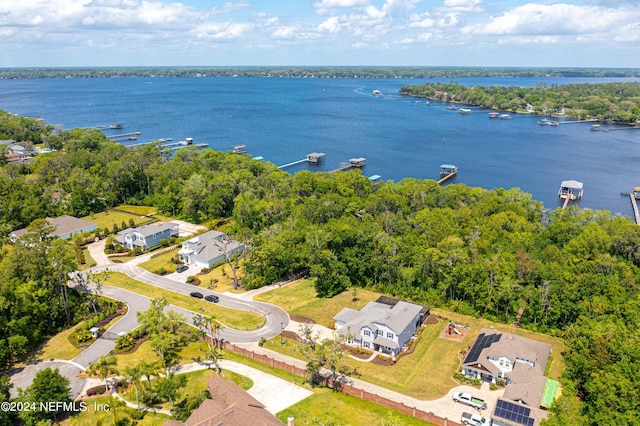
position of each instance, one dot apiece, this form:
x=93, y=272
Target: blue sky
x=539, y=33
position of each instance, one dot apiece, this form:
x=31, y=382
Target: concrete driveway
x=276, y=394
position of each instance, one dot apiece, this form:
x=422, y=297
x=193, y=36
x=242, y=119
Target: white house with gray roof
x=208, y=249
x=64, y=227
x=380, y=326
x=147, y=236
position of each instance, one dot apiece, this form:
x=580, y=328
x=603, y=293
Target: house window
x=367, y=333
x=365, y=344
x=350, y=340
x=390, y=335
x=380, y=333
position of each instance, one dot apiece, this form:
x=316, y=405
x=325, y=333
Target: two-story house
x=147, y=236
x=382, y=327
x=209, y=249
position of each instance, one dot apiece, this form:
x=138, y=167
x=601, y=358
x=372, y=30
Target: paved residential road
x=276, y=320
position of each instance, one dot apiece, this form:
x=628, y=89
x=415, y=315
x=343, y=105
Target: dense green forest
x=314, y=72
x=619, y=102
x=470, y=250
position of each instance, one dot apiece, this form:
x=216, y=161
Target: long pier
x=293, y=163
x=634, y=204
x=313, y=158
x=123, y=135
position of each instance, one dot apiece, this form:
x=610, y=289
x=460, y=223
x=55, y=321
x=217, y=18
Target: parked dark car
x=212, y=298
x=182, y=268
x=196, y=294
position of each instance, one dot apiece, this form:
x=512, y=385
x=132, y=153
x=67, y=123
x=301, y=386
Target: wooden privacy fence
x=342, y=387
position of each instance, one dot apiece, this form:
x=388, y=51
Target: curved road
x=276, y=319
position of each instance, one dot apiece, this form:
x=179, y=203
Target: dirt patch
x=304, y=320
x=449, y=333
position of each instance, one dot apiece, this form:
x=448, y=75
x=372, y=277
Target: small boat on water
x=595, y=127
x=465, y=111
x=505, y=117
x=376, y=93
x=494, y=114
x=452, y=107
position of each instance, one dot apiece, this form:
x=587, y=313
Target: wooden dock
x=352, y=163
x=634, y=204
x=447, y=171
x=123, y=135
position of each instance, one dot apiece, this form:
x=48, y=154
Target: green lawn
x=427, y=372
x=241, y=320
x=329, y=407
x=108, y=218
x=299, y=298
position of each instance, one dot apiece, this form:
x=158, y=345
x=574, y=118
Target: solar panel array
x=483, y=341
x=513, y=412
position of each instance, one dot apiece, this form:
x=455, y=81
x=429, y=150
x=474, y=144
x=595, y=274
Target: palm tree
x=103, y=368
x=148, y=369
x=133, y=375
x=116, y=415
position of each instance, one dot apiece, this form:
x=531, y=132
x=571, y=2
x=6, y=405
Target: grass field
x=299, y=298
x=326, y=407
x=109, y=218
x=240, y=320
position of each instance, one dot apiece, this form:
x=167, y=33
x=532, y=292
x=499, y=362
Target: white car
x=473, y=420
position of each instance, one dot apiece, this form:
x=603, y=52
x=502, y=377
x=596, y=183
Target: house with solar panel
x=385, y=325
x=520, y=363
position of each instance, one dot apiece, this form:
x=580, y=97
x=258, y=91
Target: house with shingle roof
x=65, y=227
x=521, y=363
x=147, y=236
x=229, y=405
x=209, y=249
x=383, y=327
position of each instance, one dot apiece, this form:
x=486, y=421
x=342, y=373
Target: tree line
x=471, y=250
x=314, y=72
x=618, y=102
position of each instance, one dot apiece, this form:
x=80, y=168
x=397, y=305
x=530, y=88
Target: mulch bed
x=431, y=319
x=354, y=352
x=136, y=344
x=291, y=335
x=383, y=361
x=122, y=311
x=304, y=320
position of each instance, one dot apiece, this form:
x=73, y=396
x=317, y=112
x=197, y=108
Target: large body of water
x=284, y=119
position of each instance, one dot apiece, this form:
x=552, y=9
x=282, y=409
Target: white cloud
x=331, y=25
x=424, y=37
x=421, y=21
x=284, y=33
x=462, y=5
x=221, y=31
x=539, y=19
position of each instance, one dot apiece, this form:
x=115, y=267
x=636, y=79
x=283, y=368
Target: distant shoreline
x=364, y=72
